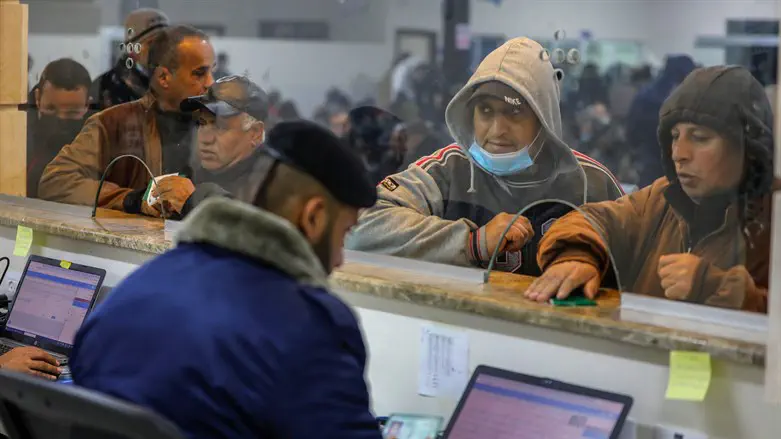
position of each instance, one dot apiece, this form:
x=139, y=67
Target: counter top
x=500, y=298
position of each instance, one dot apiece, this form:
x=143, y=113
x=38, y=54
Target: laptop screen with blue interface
x=52, y=302
x=500, y=408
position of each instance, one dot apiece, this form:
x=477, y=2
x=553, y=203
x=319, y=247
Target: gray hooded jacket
x=436, y=209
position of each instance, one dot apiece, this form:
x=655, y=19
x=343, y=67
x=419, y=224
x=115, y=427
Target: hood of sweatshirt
x=519, y=64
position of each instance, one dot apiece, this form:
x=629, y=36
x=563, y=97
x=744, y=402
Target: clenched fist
x=519, y=234
x=677, y=274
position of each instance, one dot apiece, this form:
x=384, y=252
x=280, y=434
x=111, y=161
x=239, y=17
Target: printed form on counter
x=444, y=362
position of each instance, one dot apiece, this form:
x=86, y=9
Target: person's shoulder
x=597, y=172
x=658, y=187
x=120, y=111
x=443, y=157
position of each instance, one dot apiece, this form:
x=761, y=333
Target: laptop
x=52, y=300
x=503, y=404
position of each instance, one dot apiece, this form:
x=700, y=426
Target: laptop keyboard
x=4, y=348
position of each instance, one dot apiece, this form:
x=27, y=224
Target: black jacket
x=241, y=181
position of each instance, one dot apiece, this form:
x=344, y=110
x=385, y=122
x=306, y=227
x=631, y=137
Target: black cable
x=4, y=297
x=566, y=203
x=103, y=179
x=5, y=270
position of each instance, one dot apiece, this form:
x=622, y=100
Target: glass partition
x=615, y=128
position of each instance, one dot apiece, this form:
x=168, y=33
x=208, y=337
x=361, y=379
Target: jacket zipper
x=690, y=245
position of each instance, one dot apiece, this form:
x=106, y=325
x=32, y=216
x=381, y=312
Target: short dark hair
x=162, y=50
x=286, y=186
x=67, y=74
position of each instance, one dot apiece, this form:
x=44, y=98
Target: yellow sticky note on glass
x=65, y=264
x=24, y=240
x=690, y=375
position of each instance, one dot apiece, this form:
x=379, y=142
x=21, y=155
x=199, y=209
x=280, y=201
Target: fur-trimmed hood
x=256, y=233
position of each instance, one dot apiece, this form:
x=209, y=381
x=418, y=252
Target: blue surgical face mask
x=503, y=164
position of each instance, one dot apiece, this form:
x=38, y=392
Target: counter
x=588, y=346
x=501, y=298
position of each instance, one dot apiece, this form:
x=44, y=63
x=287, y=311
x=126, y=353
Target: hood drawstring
x=472, y=189
x=503, y=185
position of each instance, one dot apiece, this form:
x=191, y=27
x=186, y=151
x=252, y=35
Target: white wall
x=302, y=71
x=733, y=409
x=88, y=49
x=63, y=16
x=541, y=18
x=666, y=26
x=674, y=25
x=363, y=21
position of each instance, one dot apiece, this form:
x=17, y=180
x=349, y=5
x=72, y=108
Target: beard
x=322, y=250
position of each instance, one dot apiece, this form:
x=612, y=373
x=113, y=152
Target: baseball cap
x=497, y=90
x=372, y=124
x=230, y=96
x=317, y=152
x=143, y=22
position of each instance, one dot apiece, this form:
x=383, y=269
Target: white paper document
x=444, y=362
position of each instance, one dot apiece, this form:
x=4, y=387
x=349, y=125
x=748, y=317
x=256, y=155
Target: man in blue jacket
x=233, y=334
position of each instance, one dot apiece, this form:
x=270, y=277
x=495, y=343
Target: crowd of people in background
x=609, y=114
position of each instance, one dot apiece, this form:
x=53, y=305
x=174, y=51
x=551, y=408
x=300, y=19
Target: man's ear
x=258, y=133
x=163, y=77
x=313, y=219
x=38, y=97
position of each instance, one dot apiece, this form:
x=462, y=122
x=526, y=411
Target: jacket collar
x=242, y=228
x=716, y=206
x=711, y=215
x=148, y=100
x=231, y=173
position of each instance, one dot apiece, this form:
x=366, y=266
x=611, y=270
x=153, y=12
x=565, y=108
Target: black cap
x=373, y=125
x=317, y=152
x=498, y=90
x=230, y=96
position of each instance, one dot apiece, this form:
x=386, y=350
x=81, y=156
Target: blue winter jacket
x=232, y=335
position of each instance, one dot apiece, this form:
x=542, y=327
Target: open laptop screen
x=51, y=303
x=503, y=407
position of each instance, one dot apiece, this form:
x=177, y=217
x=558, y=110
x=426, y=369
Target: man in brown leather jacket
x=152, y=128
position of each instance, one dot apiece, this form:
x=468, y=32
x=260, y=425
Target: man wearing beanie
x=129, y=79
x=453, y=206
x=240, y=337
x=699, y=234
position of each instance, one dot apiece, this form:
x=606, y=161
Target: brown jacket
x=130, y=128
x=643, y=226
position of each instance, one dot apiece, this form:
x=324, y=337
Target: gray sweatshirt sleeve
x=406, y=222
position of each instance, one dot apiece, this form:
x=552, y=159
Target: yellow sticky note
x=690, y=375
x=65, y=264
x=24, y=240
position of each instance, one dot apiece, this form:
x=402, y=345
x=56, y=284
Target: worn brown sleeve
x=74, y=174
x=734, y=288
x=578, y=238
